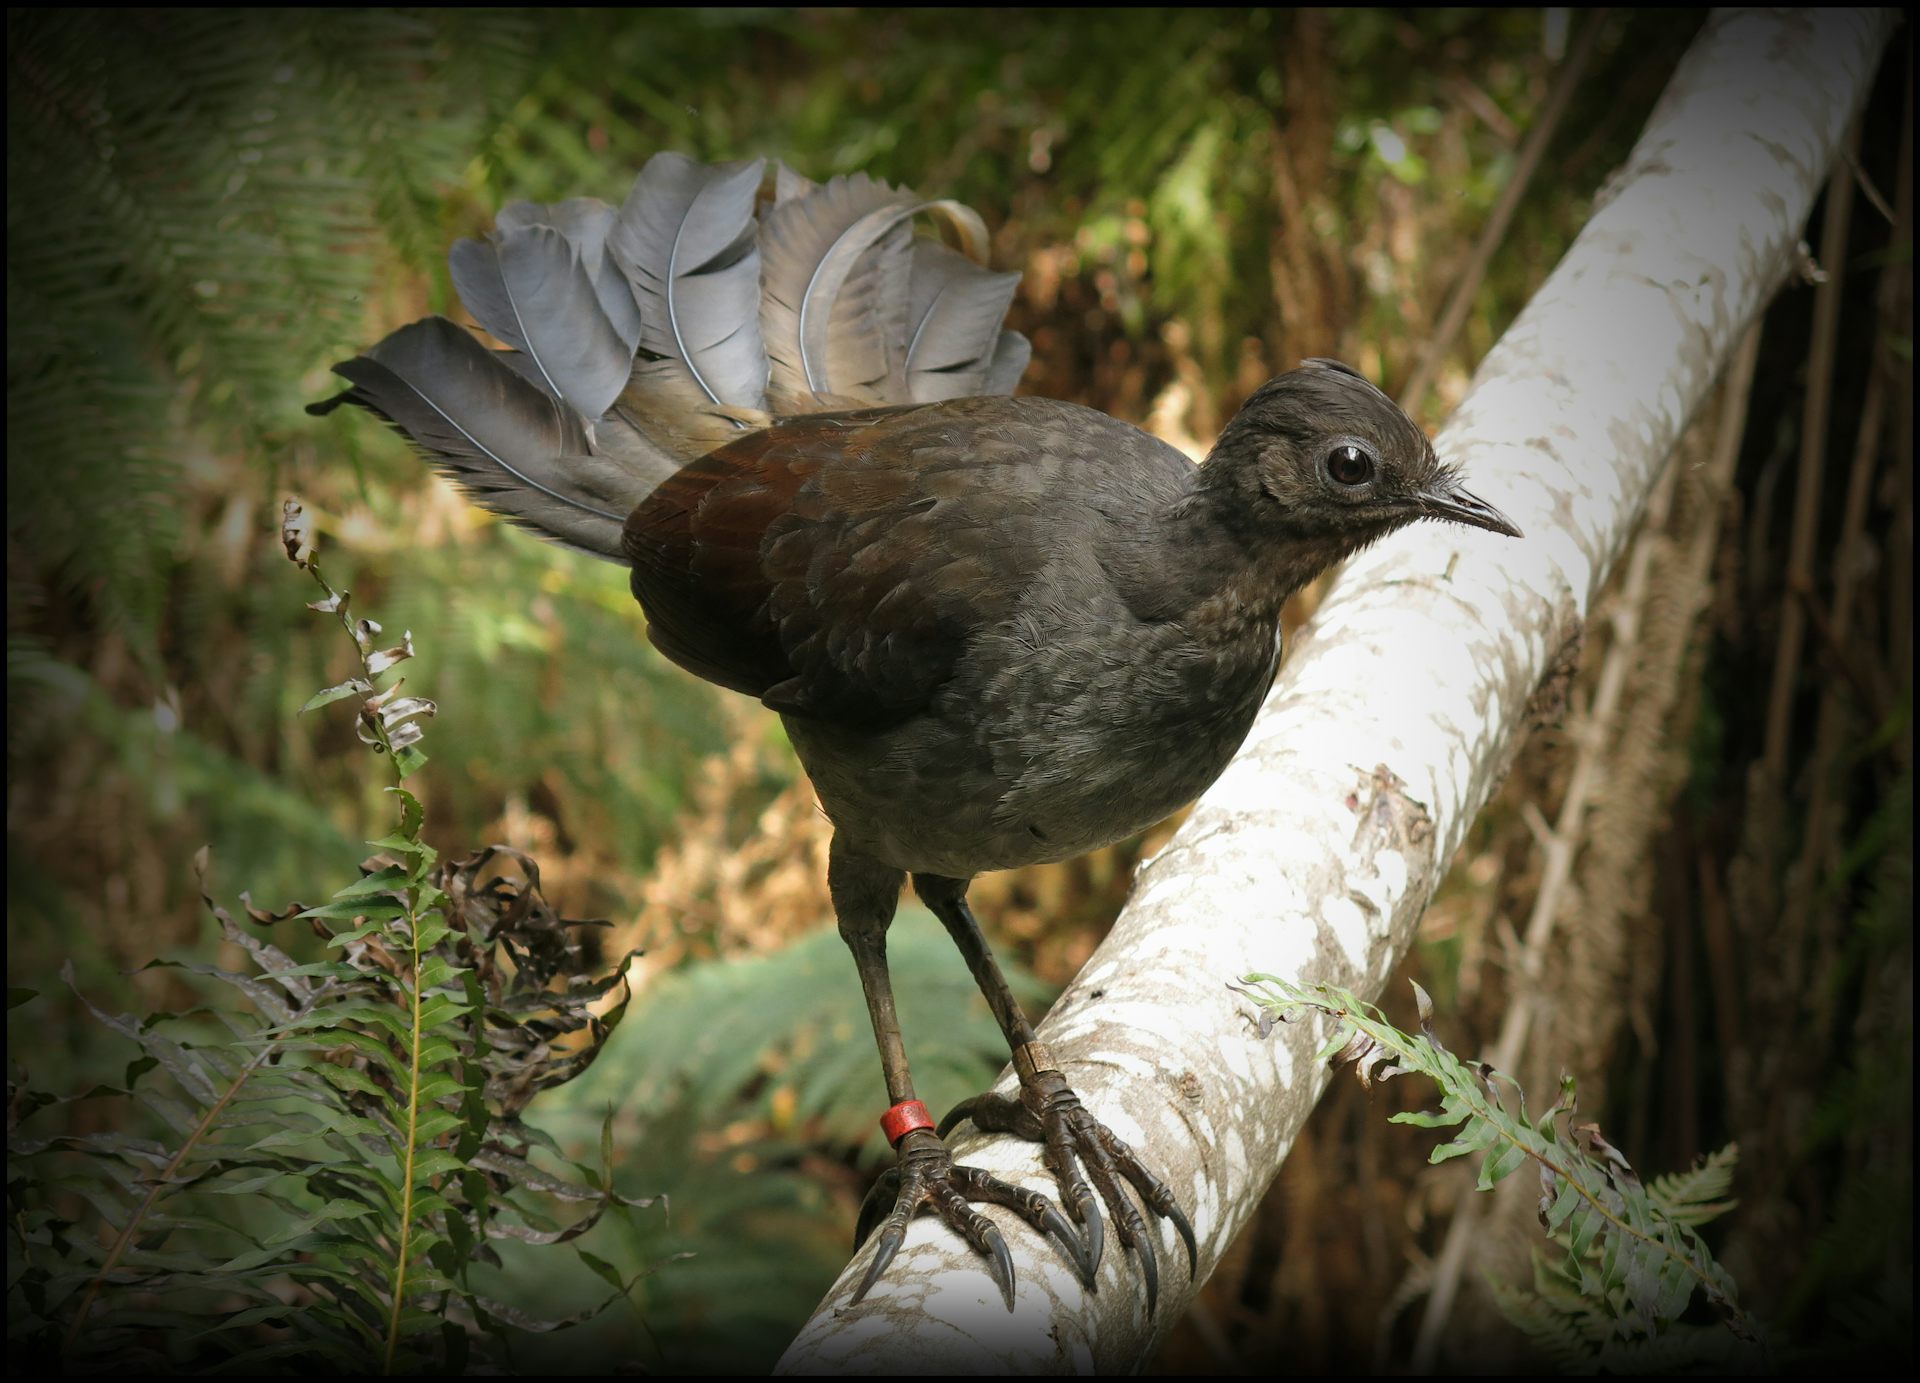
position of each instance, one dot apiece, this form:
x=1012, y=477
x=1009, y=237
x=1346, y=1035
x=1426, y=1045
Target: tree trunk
x=1315, y=854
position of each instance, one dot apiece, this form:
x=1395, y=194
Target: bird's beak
x=1446, y=500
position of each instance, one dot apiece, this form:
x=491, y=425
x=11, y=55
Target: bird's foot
x=1048, y=1112
x=925, y=1178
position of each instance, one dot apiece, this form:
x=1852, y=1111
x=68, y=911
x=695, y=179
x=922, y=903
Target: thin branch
x=1874, y=197
x=1871, y=695
x=1813, y=460
x=1899, y=540
x=1460, y=302
x=1561, y=843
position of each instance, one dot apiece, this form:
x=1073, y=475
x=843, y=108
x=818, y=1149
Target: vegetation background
x=206, y=209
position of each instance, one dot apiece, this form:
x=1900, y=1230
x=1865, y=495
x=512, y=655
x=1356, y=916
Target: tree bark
x=1391, y=723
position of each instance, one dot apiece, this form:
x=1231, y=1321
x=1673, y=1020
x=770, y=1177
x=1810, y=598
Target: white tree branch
x=1392, y=721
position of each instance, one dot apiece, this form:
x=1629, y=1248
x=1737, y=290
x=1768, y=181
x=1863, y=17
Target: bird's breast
x=1045, y=749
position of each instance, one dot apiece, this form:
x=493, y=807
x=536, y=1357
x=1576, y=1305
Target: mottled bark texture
x=1314, y=856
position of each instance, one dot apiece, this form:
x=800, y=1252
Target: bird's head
x=1320, y=457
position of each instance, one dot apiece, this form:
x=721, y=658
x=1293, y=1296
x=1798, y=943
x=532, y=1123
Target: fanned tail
x=705, y=307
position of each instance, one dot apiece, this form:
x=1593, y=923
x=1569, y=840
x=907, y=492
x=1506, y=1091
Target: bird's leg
x=865, y=894
x=1048, y=1111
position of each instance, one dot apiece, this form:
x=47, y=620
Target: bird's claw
x=1048, y=1112
x=926, y=1178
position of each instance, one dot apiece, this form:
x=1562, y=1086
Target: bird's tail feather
x=640, y=338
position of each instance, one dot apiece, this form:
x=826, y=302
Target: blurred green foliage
x=783, y=1037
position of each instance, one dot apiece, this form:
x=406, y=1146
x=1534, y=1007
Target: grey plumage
x=848, y=288
x=686, y=242
x=515, y=448
x=701, y=310
x=817, y=242
x=585, y=221
x=1008, y=362
x=954, y=325
x=528, y=286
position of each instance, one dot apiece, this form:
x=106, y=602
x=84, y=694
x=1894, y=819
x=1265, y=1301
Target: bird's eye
x=1350, y=465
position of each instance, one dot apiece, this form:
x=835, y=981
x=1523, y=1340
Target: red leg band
x=903, y=1119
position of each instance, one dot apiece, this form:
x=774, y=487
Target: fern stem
x=412, y=1144
x=335, y=604
x=1496, y=1118
x=1714, y=1294
x=160, y=1183
x=1485, y=1108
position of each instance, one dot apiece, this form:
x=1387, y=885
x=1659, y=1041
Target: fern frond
x=1695, y=1196
x=1635, y=1263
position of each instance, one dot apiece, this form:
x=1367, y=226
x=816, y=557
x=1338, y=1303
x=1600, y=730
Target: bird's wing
x=837, y=565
